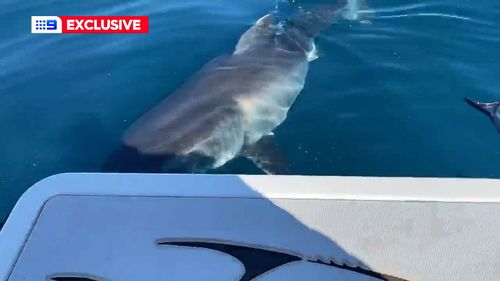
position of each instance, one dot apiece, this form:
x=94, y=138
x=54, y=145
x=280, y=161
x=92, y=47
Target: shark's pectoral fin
x=266, y=155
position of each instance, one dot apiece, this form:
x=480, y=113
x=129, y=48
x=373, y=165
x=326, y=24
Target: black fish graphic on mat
x=259, y=260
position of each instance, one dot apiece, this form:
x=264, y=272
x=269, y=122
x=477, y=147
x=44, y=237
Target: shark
x=232, y=105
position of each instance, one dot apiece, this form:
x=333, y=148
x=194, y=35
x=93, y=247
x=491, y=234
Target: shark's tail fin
x=486, y=108
x=491, y=109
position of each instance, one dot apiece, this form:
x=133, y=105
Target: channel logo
x=89, y=24
x=46, y=24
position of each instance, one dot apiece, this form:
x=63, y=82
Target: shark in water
x=231, y=106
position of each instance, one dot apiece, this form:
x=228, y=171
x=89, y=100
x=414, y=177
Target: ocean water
x=385, y=98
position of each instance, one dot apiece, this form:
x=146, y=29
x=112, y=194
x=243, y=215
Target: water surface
x=384, y=99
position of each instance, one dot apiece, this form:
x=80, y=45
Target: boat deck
x=208, y=227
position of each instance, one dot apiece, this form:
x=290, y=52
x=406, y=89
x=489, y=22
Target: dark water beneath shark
x=384, y=99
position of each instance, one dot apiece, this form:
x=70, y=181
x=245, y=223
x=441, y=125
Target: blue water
x=384, y=99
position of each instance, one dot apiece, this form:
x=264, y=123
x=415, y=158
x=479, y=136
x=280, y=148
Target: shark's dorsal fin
x=266, y=155
x=261, y=30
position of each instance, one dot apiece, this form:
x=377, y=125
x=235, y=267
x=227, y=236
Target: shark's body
x=231, y=106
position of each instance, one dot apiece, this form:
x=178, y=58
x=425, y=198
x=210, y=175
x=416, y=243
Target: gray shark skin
x=231, y=106
x=492, y=110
